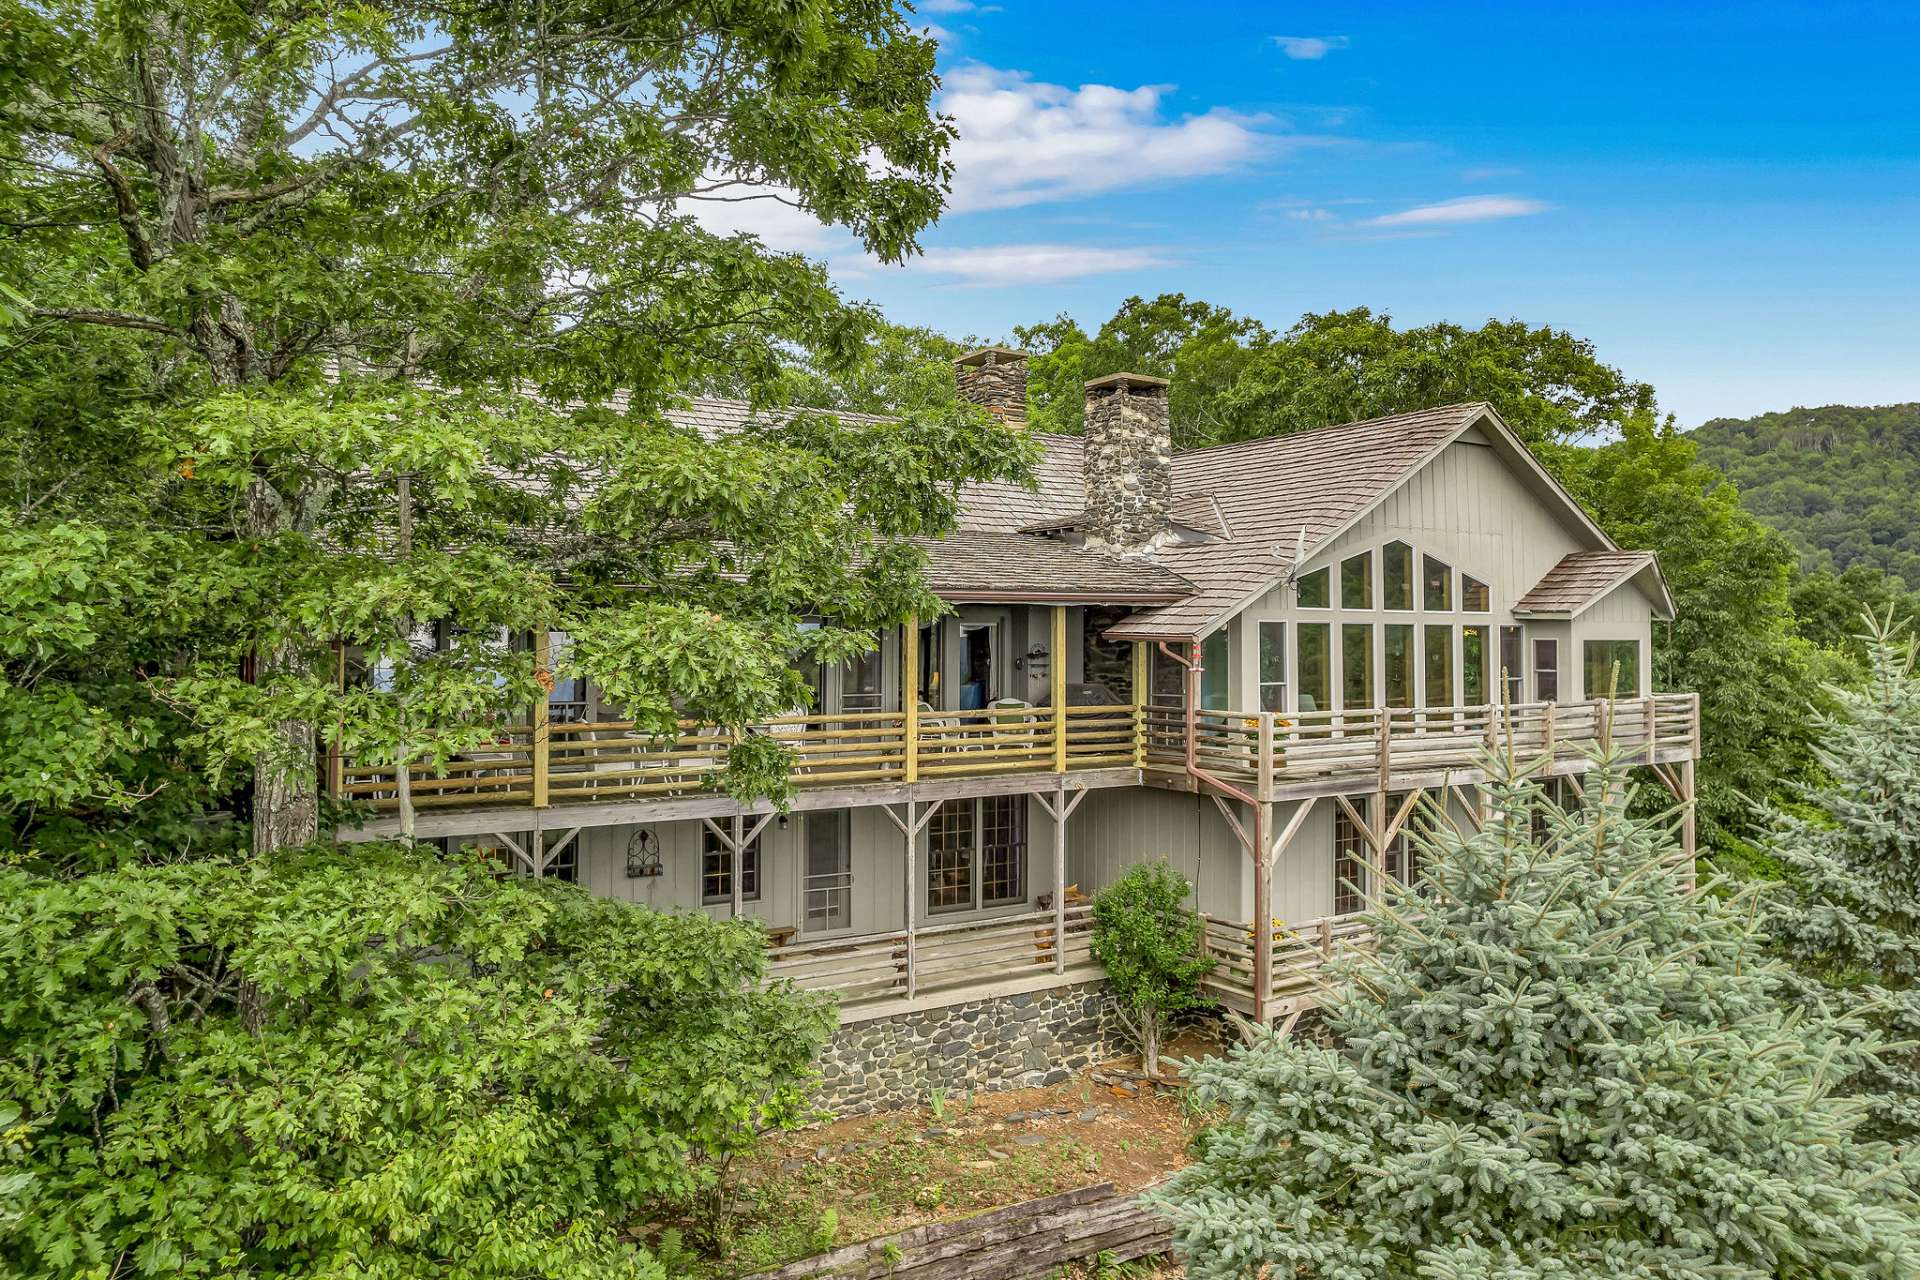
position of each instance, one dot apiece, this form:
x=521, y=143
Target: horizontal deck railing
x=610, y=760
x=877, y=968
x=1299, y=952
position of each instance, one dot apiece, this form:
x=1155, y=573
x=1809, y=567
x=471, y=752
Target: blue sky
x=1724, y=198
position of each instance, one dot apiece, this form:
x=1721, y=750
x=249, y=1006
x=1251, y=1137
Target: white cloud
x=1464, y=209
x=1025, y=142
x=1016, y=264
x=1309, y=48
x=943, y=6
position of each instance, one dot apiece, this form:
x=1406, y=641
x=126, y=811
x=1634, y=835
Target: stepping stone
x=1030, y=1139
x=1089, y=1116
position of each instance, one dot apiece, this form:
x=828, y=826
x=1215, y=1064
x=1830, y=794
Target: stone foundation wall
x=1011, y=1042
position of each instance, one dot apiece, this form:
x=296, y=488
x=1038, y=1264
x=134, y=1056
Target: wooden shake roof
x=1254, y=506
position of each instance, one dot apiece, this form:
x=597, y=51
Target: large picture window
x=716, y=869
x=1396, y=576
x=1356, y=581
x=1313, y=591
x=1474, y=688
x=1316, y=666
x=1436, y=584
x=1399, y=665
x=1273, y=666
x=1439, y=666
x=1356, y=665
x=1216, y=673
x=1612, y=668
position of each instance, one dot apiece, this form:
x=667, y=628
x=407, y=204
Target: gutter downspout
x=1256, y=845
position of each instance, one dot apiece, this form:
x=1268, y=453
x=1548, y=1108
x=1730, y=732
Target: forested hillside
x=1840, y=481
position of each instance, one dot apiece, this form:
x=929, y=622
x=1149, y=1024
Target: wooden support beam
x=910, y=697
x=1057, y=676
x=1292, y=829
x=1392, y=829
x=1262, y=911
x=547, y=855
x=1471, y=806
x=542, y=729
x=533, y=868
x=1225, y=807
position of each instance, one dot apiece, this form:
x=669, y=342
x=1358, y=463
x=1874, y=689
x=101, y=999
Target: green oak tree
x=321, y=249
x=1561, y=1060
x=355, y=328
x=1848, y=912
x=1732, y=639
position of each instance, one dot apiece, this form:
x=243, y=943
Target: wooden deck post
x=1546, y=734
x=1648, y=710
x=1263, y=757
x=1057, y=672
x=912, y=833
x=910, y=697
x=336, y=760
x=737, y=850
x=542, y=729
x=1060, y=812
x=1689, y=831
x=1139, y=704
x=1262, y=911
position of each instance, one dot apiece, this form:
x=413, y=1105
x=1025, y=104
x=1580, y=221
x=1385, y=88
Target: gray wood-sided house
x=1252, y=660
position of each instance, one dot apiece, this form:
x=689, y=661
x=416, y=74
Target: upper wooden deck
x=605, y=771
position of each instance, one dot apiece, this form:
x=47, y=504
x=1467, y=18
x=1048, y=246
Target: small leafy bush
x=1149, y=942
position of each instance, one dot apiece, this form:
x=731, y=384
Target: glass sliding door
x=1439, y=668
x=1399, y=664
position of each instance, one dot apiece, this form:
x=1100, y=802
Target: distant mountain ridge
x=1842, y=481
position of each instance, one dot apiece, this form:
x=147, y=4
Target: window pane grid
x=1273, y=666
x=1003, y=854
x=950, y=858
x=1349, y=865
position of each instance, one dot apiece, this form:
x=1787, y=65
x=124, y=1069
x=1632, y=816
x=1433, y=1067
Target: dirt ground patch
x=854, y=1179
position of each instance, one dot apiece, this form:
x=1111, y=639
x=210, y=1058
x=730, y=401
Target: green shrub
x=1149, y=942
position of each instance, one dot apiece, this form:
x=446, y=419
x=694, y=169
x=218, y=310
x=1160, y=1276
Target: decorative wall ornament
x=643, y=855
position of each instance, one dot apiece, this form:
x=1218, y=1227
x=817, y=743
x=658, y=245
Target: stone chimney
x=994, y=378
x=1127, y=461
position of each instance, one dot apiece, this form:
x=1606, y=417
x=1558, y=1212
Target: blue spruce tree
x=1848, y=915
x=1560, y=1061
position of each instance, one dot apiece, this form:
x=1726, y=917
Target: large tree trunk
x=286, y=785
